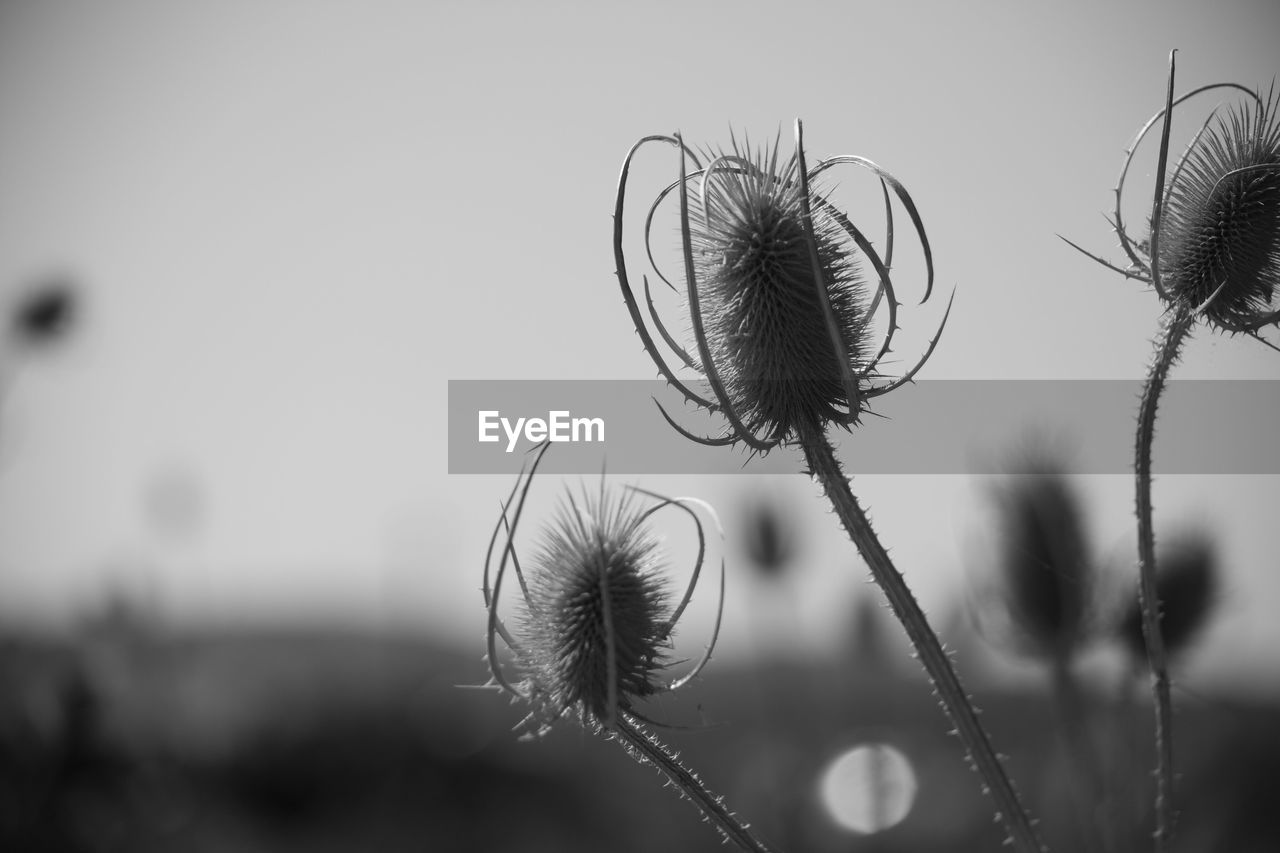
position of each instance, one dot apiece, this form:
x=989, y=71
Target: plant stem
x=955, y=702
x=644, y=746
x=1089, y=783
x=1173, y=334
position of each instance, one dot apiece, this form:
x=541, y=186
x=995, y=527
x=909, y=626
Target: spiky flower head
x=1213, y=242
x=778, y=305
x=1220, y=229
x=594, y=624
x=765, y=325
x=596, y=617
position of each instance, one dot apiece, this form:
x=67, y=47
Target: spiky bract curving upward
x=1220, y=231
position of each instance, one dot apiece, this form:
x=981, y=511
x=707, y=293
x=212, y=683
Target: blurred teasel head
x=769, y=535
x=1045, y=574
x=596, y=616
x=1187, y=586
x=1213, y=244
x=776, y=291
x=45, y=313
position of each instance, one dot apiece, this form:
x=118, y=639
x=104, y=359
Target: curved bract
x=777, y=300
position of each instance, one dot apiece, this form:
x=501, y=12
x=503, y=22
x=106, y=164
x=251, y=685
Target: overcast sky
x=292, y=223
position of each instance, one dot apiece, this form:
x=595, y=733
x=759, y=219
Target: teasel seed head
x=1212, y=249
x=765, y=324
x=594, y=623
x=597, y=616
x=776, y=291
x=1220, y=229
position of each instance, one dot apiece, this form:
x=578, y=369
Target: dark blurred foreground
x=130, y=739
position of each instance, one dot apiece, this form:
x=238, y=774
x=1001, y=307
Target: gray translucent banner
x=931, y=427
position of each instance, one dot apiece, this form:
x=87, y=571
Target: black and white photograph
x=432, y=426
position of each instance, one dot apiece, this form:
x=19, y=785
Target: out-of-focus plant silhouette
x=45, y=313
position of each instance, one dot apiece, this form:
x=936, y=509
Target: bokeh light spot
x=869, y=788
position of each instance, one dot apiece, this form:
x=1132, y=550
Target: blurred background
x=243, y=247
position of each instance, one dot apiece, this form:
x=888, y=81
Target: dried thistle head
x=1213, y=244
x=1220, y=228
x=596, y=617
x=1187, y=587
x=777, y=304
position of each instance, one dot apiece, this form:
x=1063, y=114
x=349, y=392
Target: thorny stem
x=823, y=464
x=643, y=746
x=1168, y=344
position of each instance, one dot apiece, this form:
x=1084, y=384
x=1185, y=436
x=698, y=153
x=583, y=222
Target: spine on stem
x=644, y=746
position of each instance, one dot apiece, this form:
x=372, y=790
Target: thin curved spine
x=492, y=600
x=888, y=248
x=1157, y=205
x=620, y=264
x=695, y=317
x=1126, y=242
x=705, y=440
x=1127, y=273
x=882, y=272
x=662, y=330
x=683, y=503
x=648, y=228
x=903, y=196
x=910, y=374
x=1243, y=170
x=1182, y=160
x=820, y=285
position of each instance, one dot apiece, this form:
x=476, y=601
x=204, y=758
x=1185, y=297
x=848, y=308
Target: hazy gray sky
x=294, y=222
